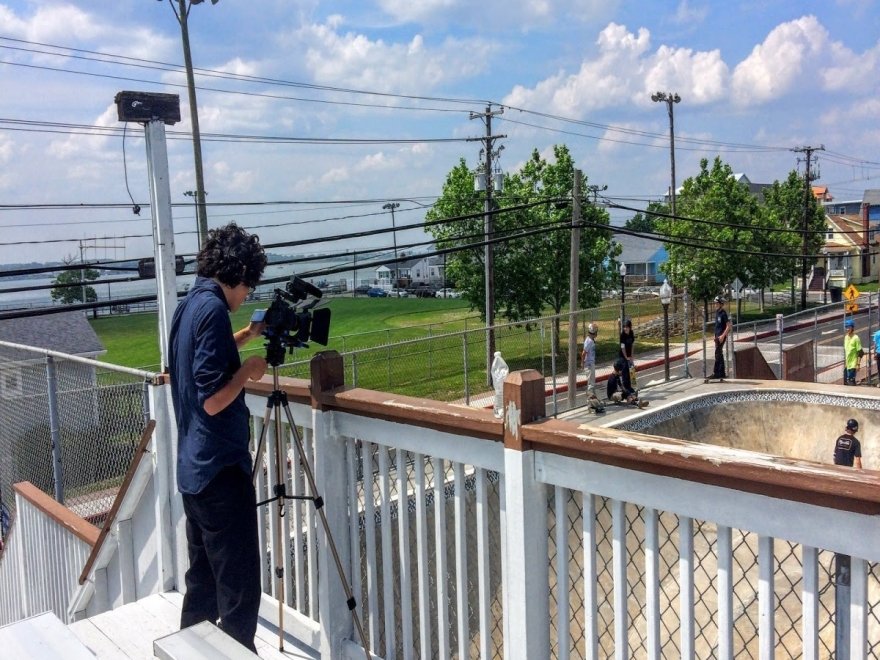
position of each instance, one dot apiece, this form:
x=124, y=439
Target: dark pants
x=223, y=580
x=718, y=371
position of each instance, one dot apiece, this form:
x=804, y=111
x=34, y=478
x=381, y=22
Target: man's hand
x=255, y=329
x=255, y=367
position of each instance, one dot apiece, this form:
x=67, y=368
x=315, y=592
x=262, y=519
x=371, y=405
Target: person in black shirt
x=847, y=449
x=617, y=388
x=722, y=329
x=627, y=339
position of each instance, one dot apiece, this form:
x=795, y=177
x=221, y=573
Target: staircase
x=817, y=279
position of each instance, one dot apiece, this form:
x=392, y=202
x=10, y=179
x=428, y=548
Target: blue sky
x=766, y=76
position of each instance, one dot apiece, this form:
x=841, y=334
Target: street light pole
x=182, y=14
x=670, y=99
x=391, y=206
x=622, y=272
x=665, y=299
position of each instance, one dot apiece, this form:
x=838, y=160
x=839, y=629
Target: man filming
x=213, y=424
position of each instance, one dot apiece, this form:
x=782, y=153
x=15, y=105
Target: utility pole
x=573, y=287
x=181, y=12
x=489, y=231
x=392, y=206
x=807, y=192
x=670, y=99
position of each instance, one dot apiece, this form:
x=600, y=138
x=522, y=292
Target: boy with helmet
x=588, y=361
x=847, y=449
x=852, y=353
x=722, y=329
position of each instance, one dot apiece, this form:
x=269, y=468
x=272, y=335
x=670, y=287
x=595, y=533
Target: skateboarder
x=617, y=390
x=722, y=329
x=847, y=448
x=588, y=361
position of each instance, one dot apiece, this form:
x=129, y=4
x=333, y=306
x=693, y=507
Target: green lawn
x=131, y=340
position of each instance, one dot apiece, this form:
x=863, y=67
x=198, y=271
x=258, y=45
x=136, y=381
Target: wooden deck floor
x=129, y=631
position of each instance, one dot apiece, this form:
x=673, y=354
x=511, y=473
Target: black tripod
x=276, y=400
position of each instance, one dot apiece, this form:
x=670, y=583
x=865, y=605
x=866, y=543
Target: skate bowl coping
x=784, y=421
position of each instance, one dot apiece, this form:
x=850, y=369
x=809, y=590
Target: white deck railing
x=462, y=534
x=43, y=529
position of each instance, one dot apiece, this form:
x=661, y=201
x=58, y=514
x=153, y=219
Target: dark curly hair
x=232, y=256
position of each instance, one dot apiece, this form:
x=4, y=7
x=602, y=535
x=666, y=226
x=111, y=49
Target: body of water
x=119, y=290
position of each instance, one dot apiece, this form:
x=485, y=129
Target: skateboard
x=713, y=380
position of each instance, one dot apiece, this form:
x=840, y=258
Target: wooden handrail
x=117, y=501
x=82, y=529
x=784, y=478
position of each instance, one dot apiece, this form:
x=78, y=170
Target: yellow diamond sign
x=851, y=293
x=851, y=307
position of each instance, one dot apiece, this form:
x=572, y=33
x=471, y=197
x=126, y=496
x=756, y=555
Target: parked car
x=399, y=293
x=448, y=293
x=376, y=292
x=422, y=291
x=647, y=291
x=362, y=289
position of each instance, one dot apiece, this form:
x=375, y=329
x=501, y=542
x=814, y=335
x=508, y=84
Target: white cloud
x=625, y=71
x=850, y=71
x=776, y=65
x=355, y=60
x=686, y=14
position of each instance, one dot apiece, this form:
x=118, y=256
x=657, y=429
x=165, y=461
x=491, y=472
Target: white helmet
x=592, y=329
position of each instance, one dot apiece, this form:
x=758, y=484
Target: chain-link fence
x=787, y=586
x=68, y=425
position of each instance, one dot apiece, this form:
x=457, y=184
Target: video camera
x=289, y=327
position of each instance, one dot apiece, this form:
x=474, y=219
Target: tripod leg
x=280, y=528
x=261, y=443
x=319, y=506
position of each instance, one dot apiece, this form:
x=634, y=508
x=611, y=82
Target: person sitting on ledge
x=618, y=390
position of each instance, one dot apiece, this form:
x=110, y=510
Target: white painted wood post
x=330, y=473
x=171, y=551
x=526, y=594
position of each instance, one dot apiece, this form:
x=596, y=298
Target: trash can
x=836, y=294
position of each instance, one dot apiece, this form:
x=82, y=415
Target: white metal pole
x=163, y=230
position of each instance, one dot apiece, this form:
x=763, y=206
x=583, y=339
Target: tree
x=714, y=212
x=65, y=290
x=531, y=272
x=784, y=210
x=646, y=222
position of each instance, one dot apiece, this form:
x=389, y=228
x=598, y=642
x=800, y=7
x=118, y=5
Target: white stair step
x=42, y=637
x=203, y=641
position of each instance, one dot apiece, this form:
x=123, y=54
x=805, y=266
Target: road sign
x=737, y=286
x=851, y=307
x=851, y=293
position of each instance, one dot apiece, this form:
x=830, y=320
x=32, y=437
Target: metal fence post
x=869, y=351
x=464, y=352
x=55, y=429
x=755, y=333
x=354, y=369
x=553, y=365
x=687, y=329
x=816, y=346
x=145, y=399
x=703, y=332
x=780, y=320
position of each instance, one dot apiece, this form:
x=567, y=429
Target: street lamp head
x=622, y=270
x=676, y=98
x=391, y=206
x=665, y=293
x=658, y=96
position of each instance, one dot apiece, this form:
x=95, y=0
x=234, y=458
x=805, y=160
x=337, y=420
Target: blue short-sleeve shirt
x=203, y=357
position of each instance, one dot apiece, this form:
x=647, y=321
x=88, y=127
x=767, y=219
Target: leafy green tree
x=714, y=212
x=531, y=272
x=783, y=209
x=646, y=222
x=69, y=295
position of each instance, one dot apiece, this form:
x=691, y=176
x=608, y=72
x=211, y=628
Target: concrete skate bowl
x=797, y=425
x=790, y=424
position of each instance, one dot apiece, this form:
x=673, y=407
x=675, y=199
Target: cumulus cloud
x=686, y=14
x=776, y=65
x=353, y=59
x=627, y=71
